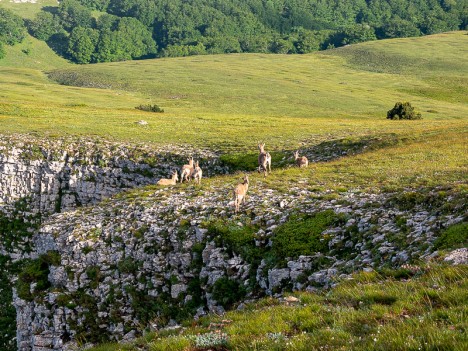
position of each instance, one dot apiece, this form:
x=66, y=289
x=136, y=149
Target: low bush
x=453, y=237
x=150, y=108
x=403, y=110
x=36, y=272
x=210, y=341
x=227, y=292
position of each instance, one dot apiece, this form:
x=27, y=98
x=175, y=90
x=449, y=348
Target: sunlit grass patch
x=372, y=311
x=244, y=99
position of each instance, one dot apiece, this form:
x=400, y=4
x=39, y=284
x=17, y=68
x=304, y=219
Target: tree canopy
x=12, y=30
x=131, y=29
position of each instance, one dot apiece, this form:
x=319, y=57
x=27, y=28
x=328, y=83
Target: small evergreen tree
x=403, y=110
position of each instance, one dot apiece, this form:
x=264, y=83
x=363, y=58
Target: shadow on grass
x=326, y=151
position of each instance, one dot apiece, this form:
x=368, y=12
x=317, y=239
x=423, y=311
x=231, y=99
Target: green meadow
x=229, y=102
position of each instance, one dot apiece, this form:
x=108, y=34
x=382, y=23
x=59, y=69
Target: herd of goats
x=193, y=171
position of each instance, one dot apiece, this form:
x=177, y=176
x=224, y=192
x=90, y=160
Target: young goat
x=264, y=160
x=301, y=161
x=197, y=173
x=240, y=192
x=187, y=170
x=172, y=181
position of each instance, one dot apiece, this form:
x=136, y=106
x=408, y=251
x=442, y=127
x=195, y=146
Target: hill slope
x=228, y=101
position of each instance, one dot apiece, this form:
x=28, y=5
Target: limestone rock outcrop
x=137, y=256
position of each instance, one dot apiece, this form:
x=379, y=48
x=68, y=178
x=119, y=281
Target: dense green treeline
x=112, y=30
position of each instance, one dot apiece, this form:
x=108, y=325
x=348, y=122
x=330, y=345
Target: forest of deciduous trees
x=113, y=30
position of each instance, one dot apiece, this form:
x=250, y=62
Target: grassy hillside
x=370, y=312
x=231, y=101
x=32, y=53
x=337, y=99
x=27, y=9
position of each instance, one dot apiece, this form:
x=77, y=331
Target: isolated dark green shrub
x=36, y=271
x=403, y=110
x=453, y=237
x=150, y=108
x=227, y=292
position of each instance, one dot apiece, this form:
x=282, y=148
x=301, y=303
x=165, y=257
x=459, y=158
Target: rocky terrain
x=58, y=174
x=149, y=257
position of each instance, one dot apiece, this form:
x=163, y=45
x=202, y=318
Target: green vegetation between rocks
x=454, y=237
x=7, y=310
x=302, y=235
x=371, y=311
x=16, y=229
x=35, y=272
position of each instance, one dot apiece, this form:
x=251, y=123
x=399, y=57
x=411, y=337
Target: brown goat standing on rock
x=187, y=171
x=240, y=192
x=301, y=161
x=264, y=160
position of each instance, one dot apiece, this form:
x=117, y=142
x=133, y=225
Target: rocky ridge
x=141, y=258
x=40, y=176
x=148, y=257
x=59, y=174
